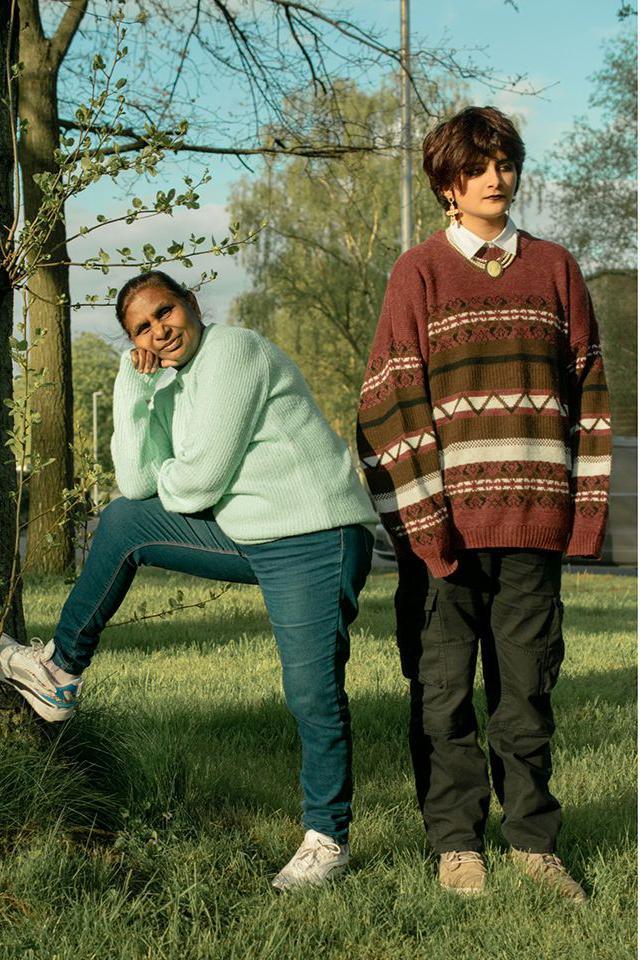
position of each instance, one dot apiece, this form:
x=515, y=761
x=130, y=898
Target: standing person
x=229, y=471
x=484, y=434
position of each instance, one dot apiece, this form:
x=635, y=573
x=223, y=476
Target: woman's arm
x=590, y=423
x=396, y=434
x=140, y=443
x=231, y=387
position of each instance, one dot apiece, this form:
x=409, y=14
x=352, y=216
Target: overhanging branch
x=138, y=141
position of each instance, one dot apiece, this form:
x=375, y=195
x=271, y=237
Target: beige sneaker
x=548, y=868
x=462, y=871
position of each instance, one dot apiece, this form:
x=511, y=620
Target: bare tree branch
x=61, y=40
x=183, y=57
x=138, y=141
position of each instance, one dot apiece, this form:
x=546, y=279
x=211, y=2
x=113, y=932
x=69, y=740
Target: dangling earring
x=452, y=212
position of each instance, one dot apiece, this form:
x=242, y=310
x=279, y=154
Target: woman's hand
x=144, y=361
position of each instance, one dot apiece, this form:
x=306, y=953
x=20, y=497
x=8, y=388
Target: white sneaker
x=23, y=668
x=317, y=859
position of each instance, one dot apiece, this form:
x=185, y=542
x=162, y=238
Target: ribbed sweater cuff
x=135, y=384
x=441, y=563
x=585, y=543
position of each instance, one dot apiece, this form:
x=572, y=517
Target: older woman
x=230, y=472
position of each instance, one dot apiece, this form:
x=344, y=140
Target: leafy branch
x=176, y=604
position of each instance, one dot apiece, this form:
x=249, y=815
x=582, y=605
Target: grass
x=150, y=825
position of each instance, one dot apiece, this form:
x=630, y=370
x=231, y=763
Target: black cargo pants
x=507, y=602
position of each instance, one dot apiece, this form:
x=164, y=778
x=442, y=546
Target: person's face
x=159, y=321
x=487, y=190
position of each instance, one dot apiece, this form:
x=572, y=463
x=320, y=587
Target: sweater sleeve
x=139, y=443
x=396, y=435
x=590, y=424
x=232, y=387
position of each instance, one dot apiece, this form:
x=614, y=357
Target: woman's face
x=163, y=323
x=487, y=191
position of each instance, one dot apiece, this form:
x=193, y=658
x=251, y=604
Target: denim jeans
x=310, y=585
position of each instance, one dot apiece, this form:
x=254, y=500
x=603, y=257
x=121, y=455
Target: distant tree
x=594, y=167
x=95, y=365
x=321, y=265
x=615, y=297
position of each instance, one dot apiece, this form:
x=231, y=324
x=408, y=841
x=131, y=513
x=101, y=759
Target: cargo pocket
x=432, y=667
x=555, y=649
x=530, y=650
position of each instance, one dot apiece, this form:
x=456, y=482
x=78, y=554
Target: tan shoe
x=548, y=868
x=462, y=871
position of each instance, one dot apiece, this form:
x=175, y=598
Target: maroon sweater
x=484, y=418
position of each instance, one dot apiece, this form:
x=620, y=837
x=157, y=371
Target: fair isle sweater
x=484, y=418
x=235, y=429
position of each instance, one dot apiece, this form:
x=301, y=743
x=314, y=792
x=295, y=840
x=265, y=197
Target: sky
x=557, y=44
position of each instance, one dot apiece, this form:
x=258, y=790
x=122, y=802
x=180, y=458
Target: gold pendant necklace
x=493, y=268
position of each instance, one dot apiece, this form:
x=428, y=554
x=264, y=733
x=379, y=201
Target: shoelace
x=36, y=649
x=313, y=852
x=553, y=861
x=468, y=856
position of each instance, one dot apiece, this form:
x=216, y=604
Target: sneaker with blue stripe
x=24, y=669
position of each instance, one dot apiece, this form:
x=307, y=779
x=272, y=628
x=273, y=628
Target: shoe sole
x=45, y=710
x=332, y=875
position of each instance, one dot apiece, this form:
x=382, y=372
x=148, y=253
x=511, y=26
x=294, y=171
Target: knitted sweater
x=484, y=413
x=235, y=429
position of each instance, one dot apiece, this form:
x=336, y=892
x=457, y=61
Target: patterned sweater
x=484, y=418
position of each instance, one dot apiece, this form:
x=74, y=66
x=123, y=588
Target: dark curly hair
x=456, y=146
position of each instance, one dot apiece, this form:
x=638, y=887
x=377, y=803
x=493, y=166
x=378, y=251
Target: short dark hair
x=453, y=148
x=153, y=278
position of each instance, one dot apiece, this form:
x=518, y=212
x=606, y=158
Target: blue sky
x=556, y=43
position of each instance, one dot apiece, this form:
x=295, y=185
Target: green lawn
x=151, y=825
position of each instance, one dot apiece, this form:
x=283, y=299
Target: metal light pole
x=94, y=398
x=406, y=200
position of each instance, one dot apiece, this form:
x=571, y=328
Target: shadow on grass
x=177, y=633
x=202, y=768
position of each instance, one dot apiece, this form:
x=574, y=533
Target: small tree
x=79, y=162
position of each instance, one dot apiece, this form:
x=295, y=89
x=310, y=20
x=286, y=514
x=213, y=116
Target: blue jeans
x=310, y=585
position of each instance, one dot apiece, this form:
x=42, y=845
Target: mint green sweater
x=235, y=429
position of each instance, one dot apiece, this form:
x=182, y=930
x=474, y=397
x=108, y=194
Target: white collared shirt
x=469, y=243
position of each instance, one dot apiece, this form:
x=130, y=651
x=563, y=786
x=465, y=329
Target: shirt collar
x=469, y=243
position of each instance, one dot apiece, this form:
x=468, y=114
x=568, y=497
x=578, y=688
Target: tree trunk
x=49, y=309
x=14, y=621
